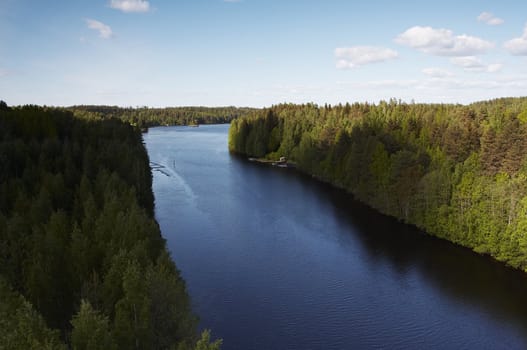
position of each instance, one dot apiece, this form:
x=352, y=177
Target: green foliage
x=458, y=172
x=170, y=314
x=144, y=117
x=21, y=327
x=78, y=238
x=91, y=330
x=132, y=323
x=205, y=344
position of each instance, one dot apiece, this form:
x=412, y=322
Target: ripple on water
x=275, y=260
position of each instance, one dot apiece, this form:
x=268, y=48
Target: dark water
x=276, y=260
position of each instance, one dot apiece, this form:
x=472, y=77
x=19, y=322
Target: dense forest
x=458, y=172
x=82, y=261
x=145, y=117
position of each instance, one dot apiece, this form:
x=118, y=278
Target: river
x=274, y=259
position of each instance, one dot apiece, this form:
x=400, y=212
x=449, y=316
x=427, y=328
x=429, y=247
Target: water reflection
x=469, y=278
x=274, y=259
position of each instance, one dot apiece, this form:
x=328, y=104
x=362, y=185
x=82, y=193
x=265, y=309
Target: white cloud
x=494, y=67
x=104, y=30
x=439, y=84
x=130, y=5
x=351, y=57
x=475, y=84
x=490, y=19
x=518, y=46
x=474, y=64
x=442, y=42
x=437, y=72
x=387, y=84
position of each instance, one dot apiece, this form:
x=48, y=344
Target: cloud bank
x=442, y=42
x=437, y=72
x=518, y=46
x=351, y=57
x=474, y=64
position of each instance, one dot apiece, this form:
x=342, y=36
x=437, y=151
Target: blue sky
x=260, y=52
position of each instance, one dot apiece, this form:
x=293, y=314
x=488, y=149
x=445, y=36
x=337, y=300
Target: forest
x=145, y=117
x=83, y=264
x=458, y=172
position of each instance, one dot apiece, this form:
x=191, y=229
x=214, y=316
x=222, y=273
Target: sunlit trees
x=143, y=117
x=456, y=171
x=91, y=330
x=21, y=327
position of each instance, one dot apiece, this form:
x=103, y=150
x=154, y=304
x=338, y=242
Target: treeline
x=145, y=117
x=82, y=261
x=458, y=172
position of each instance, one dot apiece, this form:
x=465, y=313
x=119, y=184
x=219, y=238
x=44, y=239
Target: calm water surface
x=275, y=260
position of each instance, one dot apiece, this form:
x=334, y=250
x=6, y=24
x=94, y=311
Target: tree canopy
x=144, y=117
x=458, y=172
x=82, y=260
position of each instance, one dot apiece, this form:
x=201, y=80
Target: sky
x=258, y=53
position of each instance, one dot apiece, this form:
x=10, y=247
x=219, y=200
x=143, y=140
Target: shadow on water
x=455, y=271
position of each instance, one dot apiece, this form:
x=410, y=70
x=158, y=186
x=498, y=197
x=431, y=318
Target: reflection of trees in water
x=455, y=271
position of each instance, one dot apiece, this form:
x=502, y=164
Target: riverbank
x=283, y=162
x=442, y=168
x=79, y=241
x=298, y=264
